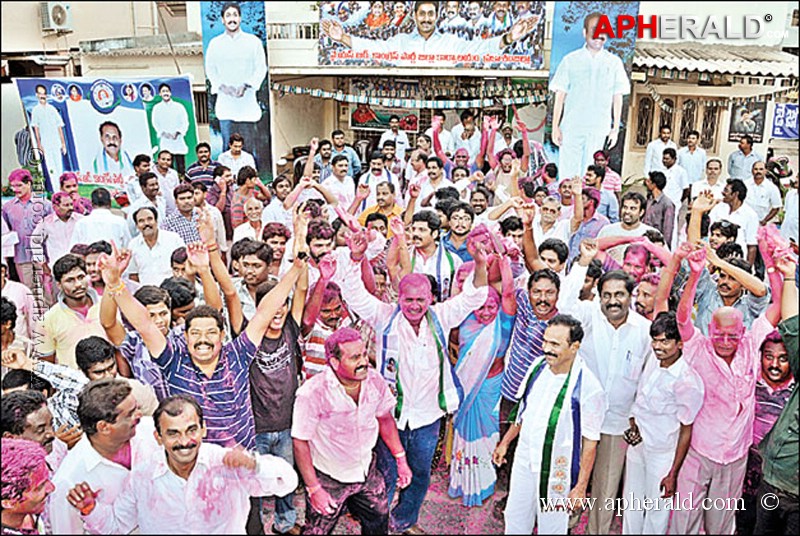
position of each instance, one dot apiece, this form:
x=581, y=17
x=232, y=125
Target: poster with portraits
x=237, y=84
x=95, y=127
x=748, y=118
x=491, y=35
x=589, y=84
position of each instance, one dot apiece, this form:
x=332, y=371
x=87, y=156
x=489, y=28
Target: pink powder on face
x=21, y=459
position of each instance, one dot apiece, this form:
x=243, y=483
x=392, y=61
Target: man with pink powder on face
x=728, y=361
x=26, y=486
x=214, y=483
x=413, y=334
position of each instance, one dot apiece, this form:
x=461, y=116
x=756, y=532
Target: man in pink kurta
x=728, y=360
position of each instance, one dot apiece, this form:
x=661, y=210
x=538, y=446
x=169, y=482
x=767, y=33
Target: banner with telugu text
x=95, y=127
x=490, y=35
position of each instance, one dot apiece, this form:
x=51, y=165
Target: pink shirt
x=723, y=429
x=56, y=235
x=340, y=432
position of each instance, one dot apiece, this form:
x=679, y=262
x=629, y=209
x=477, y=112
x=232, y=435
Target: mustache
x=775, y=370
x=197, y=345
x=190, y=446
x=361, y=367
x=542, y=304
x=550, y=355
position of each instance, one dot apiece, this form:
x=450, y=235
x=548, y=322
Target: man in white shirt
x=235, y=158
x=167, y=178
x=429, y=256
x=762, y=195
x=445, y=138
x=466, y=135
x=735, y=210
x=452, y=21
x=236, y=66
x=677, y=182
x=171, y=123
x=199, y=487
x=630, y=224
x=152, y=249
x=101, y=223
x=200, y=191
x=103, y=458
x=340, y=184
x=377, y=174
x=56, y=229
x=399, y=137
x=141, y=165
x=616, y=347
x=411, y=335
x=151, y=190
x=112, y=158
x=669, y=397
x=653, y=158
x=692, y=158
x=589, y=84
x=48, y=128
x=712, y=182
x=560, y=381
x=425, y=43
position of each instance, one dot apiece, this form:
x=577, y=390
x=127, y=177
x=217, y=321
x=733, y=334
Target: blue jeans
x=420, y=446
x=279, y=444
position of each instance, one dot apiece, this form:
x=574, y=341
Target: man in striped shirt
x=534, y=309
x=199, y=364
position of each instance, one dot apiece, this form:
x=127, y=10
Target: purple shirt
x=23, y=218
x=225, y=396
x=587, y=229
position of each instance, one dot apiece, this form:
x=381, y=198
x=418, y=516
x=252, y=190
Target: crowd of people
x=173, y=364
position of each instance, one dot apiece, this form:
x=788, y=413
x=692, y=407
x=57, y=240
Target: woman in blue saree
x=483, y=341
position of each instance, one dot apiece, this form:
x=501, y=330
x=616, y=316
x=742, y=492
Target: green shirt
x=780, y=447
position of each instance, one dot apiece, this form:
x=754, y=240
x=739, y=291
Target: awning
x=717, y=59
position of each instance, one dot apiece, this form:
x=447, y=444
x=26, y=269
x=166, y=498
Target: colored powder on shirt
x=123, y=456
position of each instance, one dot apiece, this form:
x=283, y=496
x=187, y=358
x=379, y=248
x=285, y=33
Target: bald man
x=728, y=361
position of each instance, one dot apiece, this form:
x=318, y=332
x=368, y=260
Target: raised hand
x=704, y=202
x=70, y=436
x=348, y=219
x=576, y=183
x=478, y=252
x=414, y=190
x=332, y=29
x=17, y=359
x=238, y=457
x=197, y=255
x=112, y=266
x=522, y=28
x=313, y=145
x=397, y=227
x=327, y=266
x=588, y=251
x=786, y=263
x=436, y=122
x=362, y=192
x=83, y=498
x=357, y=242
x=697, y=260
x=521, y=125
x=683, y=251
x=205, y=227
x=494, y=124
x=527, y=214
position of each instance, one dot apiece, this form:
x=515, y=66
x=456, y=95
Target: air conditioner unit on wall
x=56, y=17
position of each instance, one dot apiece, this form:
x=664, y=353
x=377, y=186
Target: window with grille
x=709, y=131
x=667, y=113
x=688, y=120
x=682, y=115
x=644, y=121
x=200, y=107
